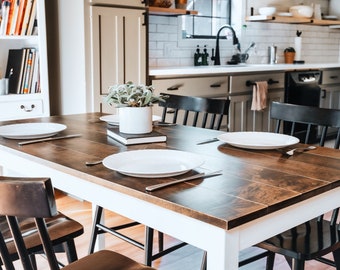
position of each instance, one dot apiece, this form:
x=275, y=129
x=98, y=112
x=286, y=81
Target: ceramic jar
x=135, y=120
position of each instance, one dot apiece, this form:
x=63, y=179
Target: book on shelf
x=35, y=85
x=14, y=69
x=32, y=18
x=23, y=71
x=27, y=76
x=5, y=10
x=20, y=17
x=128, y=139
x=26, y=17
x=12, y=24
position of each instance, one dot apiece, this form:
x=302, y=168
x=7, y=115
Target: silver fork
x=301, y=149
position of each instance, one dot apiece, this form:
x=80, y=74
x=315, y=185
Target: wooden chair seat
x=61, y=228
x=105, y=260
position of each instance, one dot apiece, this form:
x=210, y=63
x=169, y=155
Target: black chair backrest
x=23, y=198
x=311, y=116
x=215, y=108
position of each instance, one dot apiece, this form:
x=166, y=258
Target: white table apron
x=222, y=245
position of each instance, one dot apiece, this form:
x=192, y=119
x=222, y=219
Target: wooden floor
x=187, y=258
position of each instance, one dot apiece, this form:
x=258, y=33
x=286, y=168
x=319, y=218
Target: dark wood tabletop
x=254, y=182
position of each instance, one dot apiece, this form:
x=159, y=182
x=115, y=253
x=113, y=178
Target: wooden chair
x=317, y=237
x=61, y=228
x=213, y=111
x=34, y=198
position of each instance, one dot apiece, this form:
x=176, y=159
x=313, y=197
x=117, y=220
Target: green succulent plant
x=131, y=95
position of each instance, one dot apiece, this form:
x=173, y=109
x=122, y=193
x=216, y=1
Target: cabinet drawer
x=331, y=76
x=21, y=109
x=203, y=87
x=238, y=84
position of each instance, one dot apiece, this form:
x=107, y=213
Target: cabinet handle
x=333, y=77
x=145, y=15
x=173, y=88
x=215, y=85
x=23, y=107
x=324, y=93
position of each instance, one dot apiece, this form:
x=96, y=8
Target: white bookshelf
x=23, y=106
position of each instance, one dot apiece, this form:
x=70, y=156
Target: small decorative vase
x=289, y=57
x=135, y=120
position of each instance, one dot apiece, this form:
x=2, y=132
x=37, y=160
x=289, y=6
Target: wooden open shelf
x=171, y=11
x=292, y=20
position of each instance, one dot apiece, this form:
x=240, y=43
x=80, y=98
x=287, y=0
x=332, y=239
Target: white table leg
x=223, y=252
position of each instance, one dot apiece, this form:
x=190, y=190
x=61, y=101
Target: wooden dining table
x=259, y=194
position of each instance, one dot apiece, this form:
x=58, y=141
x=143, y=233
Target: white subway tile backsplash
x=320, y=44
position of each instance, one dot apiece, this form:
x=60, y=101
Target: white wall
x=320, y=44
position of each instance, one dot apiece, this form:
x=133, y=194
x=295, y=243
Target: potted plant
x=134, y=103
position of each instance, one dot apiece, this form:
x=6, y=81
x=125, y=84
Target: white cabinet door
x=118, y=49
x=242, y=118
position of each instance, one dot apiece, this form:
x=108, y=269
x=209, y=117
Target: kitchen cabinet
x=23, y=106
x=210, y=86
x=241, y=117
x=117, y=48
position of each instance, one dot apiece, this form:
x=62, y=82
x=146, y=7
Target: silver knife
x=196, y=176
x=208, y=141
x=49, y=139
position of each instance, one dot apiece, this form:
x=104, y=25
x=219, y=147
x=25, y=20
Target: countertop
x=233, y=69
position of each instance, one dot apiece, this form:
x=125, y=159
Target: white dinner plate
x=30, y=130
x=153, y=163
x=113, y=119
x=258, y=140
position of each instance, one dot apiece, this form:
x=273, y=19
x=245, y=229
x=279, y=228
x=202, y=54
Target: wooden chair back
x=308, y=115
x=19, y=198
x=211, y=110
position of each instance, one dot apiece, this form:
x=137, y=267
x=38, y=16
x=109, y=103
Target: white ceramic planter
x=135, y=120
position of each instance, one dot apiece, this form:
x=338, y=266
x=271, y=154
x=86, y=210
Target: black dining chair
x=196, y=111
x=63, y=231
x=210, y=112
x=34, y=198
x=292, y=114
x=318, y=237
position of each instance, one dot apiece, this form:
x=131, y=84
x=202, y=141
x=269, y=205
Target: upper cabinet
x=33, y=99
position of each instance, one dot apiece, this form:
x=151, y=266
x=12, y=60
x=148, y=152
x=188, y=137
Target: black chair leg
x=298, y=264
x=94, y=234
x=160, y=241
x=270, y=261
x=148, y=246
x=33, y=261
x=71, y=252
x=336, y=255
